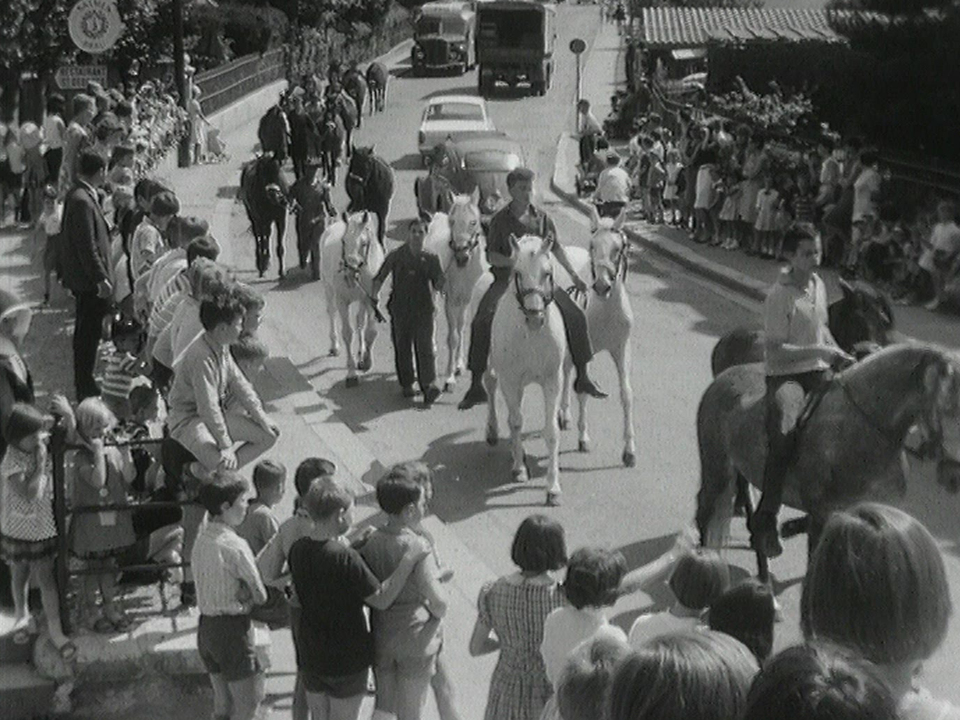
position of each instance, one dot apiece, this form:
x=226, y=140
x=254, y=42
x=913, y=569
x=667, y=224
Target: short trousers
x=408, y=666
x=338, y=686
x=14, y=550
x=226, y=646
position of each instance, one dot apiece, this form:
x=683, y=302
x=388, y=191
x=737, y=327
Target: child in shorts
x=46, y=237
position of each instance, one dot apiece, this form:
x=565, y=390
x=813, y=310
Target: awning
x=688, y=53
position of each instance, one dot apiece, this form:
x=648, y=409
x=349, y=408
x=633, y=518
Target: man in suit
x=86, y=249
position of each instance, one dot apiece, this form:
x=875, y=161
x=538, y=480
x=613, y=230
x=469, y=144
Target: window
x=492, y=160
x=455, y=111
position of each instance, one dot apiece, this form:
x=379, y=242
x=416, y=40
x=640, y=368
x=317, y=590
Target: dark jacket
x=85, y=243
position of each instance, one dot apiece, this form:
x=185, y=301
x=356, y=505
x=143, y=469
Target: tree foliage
x=775, y=113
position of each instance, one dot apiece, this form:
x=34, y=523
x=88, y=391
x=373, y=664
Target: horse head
x=357, y=243
x=941, y=416
x=863, y=317
x=533, y=281
x=465, y=230
x=608, y=252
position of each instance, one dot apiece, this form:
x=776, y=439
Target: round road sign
x=577, y=46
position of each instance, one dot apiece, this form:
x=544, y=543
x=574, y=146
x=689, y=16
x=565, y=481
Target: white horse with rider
x=350, y=256
x=529, y=346
x=457, y=239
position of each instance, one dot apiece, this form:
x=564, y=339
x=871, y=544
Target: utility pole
x=577, y=47
x=179, y=70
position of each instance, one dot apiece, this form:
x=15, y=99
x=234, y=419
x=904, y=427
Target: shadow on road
x=410, y=161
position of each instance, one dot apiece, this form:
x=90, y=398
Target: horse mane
x=917, y=354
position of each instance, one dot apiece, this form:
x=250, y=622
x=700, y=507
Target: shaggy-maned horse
x=369, y=185
x=609, y=319
x=264, y=194
x=377, y=76
x=528, y=346
x=355, y=85
x=350, y=257
x=849, y=449
x=862, y=317
x=457, y=239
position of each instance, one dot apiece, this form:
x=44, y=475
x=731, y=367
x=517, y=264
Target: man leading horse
x=799, y=351
x=518, y=218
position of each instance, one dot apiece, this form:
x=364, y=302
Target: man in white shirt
x=613, y=187
x=590, y=129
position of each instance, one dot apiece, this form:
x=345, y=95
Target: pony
x=610, y=320
x=355, y=85
x=332, y=136
x=862, y=318
x=528, y=346
x=350, y=257
x=264, y=194
x=369, y=186
x=457, y=239
x=377, y=82
x=849, y=446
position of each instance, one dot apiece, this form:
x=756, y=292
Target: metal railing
x=230, y=82
x=59, y=447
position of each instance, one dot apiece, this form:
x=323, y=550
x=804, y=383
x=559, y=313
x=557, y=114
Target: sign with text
x=95, y=25
x=76, y=77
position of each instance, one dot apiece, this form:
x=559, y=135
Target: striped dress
x=516, y=611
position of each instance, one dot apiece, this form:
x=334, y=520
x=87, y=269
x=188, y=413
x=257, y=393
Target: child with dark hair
x=747, y=611
x=261, y=524
x=407, y=635
x=592, y=584
x=122, y=366
x=333, y=584
x=515, y=607
x=585, y=680
x=228, y=585
x=811, y=682
x=698, y=578
x=272, y=560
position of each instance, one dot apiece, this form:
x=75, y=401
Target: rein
x=470, y=246
x=522, y=294
x=620, y=265
x=883, y=432
x=353, y=271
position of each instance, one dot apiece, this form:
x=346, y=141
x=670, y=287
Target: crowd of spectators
x=732, y=187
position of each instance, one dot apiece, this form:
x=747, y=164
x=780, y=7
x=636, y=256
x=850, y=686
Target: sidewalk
x=603, y=74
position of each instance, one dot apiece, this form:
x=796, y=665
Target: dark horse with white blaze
x=369, y=186
x=355, y=85
x=863, y=316
x=377, y=76
x=848, y=449
x=265, y=195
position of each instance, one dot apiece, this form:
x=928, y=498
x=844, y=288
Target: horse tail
x=717, y=477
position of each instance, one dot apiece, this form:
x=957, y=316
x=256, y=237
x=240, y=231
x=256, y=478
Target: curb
x=731, y=279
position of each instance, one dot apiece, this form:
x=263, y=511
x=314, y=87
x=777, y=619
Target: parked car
x=454, y=117
x=483, y=163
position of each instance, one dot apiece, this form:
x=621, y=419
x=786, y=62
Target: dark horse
x=346, y=109
x=355, y=86
x=331, y=144
x=369, y=186
x=863, y=316
x=264, y=194
x=849, y=449
x=377, y=82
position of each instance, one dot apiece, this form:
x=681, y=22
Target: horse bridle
x=354, y=270
x=466, y=248
x=522, y=294
x=619, y=266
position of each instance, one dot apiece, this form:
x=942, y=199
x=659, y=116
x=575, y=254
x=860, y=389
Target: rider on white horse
x=520, y=217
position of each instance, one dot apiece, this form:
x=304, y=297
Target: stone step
x=24, y=693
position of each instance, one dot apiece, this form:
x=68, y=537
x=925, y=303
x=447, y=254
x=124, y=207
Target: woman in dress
x=514, y=608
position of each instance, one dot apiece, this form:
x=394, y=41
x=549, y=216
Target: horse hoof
x=563, y=422
x=629, y=459
x=520, y=476
x=352, y=382
x=458, y=372
x=553, y=499
x=365, y=364
x=583, y=446
x=448, y=386
x=334, y=352
x=492, y=439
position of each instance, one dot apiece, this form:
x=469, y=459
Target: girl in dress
x=102, y=477
x=671, y=189
x=514, y=608
x=28, y=532
x=728, y=215
x=765, y=227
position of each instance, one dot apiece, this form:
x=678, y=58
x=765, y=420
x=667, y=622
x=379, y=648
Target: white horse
x=610, y=320
x=350, y=256
x=457, y=239
x=528, y=345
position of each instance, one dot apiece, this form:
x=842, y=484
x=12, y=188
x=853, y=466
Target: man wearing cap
x=518, y=218
x=85, y=260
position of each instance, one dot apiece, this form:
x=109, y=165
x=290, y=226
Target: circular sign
x=577, y=46
x=95, y=25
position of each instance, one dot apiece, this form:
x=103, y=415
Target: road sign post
x=577, y=47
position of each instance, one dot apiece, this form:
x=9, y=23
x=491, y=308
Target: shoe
x=430, y=395
x=583, y=385
x=476, y=395
x=409, y=392
x=764, y=537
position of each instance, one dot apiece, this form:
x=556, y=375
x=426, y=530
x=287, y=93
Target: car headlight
x=458, y=50
x=418, y=51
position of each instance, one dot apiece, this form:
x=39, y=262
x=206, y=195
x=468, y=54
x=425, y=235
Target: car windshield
x=491, y=160
x=428, y=26
x=455, y=111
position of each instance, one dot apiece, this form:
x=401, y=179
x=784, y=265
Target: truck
x=515, y=44
x=443, y=38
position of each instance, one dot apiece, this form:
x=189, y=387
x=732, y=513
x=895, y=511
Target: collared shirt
x=221, y=560
x=795, y=316
x=203, y=377
x=414, y=278
x=504, y=224
x=146, y=246
x=613, y=185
